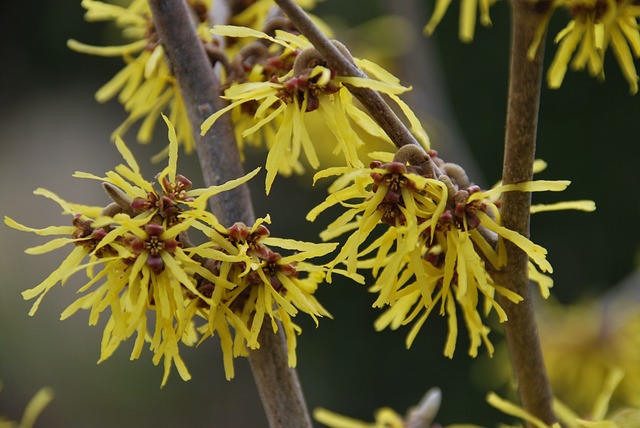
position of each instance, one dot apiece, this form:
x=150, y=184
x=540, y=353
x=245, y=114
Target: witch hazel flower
x=256, y=286
x=257, y=13
x=595, y=27
x=600, y=415
x=279, y=89
x=145, y=86
x=133, y=257
x=422, y=415
x=442, y=240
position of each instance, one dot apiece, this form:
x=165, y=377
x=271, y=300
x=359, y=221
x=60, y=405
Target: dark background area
x=50, y=126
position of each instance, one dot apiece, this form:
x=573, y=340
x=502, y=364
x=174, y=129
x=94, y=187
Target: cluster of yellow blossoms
x=281, y=87
x=583, y=341
x=146, y=85
x=595, y=25
x=599, y=416
x=443, y=240
x=141, y=262
x=430, y=238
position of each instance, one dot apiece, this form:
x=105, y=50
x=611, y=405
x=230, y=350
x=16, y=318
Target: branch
x=217, y=150
x=277, y=383
x=520, y=143
x=421, y=67
x=372, y=100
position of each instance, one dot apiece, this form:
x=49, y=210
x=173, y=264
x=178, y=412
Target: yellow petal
x=35, y=407
x=584, y=205
x=558, y=67
x=527, y=186
x=513, y=410
x=231, y=184
x=625, y=58
x=173, y=149
x=49, y=246
x=365, y=82
x=438, y=13
x=106, y=50
x=534, y=251
x=601, y=405
x=51, y=230
x=335, y=420
x=236, y=31
x=127, y=155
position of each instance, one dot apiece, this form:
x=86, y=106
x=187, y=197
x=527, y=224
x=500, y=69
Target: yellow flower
x=598, y=417
x=289, y=84
x=149, y=274
x=444, y=236
x=384, y=418
x=145, y=86
x=136, y=260
x=583, y=341
x=254, y=283
x=595, y=25
x=468, y=13
x=255, y=15
x=80, y=233
x=420, y=415
x=33, y=410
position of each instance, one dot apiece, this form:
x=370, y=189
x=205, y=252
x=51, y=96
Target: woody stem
x=278, y=384
x=520, y=143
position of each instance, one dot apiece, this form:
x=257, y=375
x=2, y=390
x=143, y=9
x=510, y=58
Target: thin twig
x=520, y=143
x=375, y=104
x=277, y=383
x=420, y=66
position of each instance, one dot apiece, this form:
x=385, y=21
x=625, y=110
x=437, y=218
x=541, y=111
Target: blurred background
x=50, y=126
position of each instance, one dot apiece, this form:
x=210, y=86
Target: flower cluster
x=442, y=237
x=279, y=87
x=598, y=416
x=255, y=13
x=594, y=27
x=253, y=283
x=444, y=240
x=141, y=262
x=583, y=341
x=423, y=415
x=146, y=85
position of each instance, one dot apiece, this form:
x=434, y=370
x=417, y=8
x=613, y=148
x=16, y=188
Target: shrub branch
x=520, y=143
x=278, y=384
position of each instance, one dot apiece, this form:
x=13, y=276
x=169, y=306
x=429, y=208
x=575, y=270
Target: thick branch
x=278, y=384
x=375, y=104
x=217, y=150
x=520, y=143
x=284, y=399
